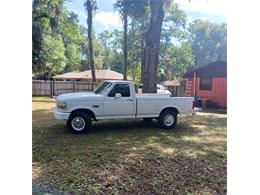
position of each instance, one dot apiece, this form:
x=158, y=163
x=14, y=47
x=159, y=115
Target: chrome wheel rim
x=78, y=123
x=168, y=119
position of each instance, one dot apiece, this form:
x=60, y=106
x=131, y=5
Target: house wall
x=218, y=93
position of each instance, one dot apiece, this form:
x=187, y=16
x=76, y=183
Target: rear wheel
x=168, y=119
x=79, y=122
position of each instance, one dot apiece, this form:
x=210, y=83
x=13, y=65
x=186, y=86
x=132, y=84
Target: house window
x=205, y=84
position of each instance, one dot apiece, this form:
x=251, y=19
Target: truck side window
x=120, y=88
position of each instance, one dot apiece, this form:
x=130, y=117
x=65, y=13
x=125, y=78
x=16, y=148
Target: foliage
x=124, y=7
x=54, y=53
x=112, y=50
x=175, y=61
x=174, y=25
x=209, y=41
x=73, y=39
x=135, y=49
x=107, y=54
x=176, y=55
x=60, y=44
x=57, y=38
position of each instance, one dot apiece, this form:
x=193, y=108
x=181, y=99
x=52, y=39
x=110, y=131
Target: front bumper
x=60, y=115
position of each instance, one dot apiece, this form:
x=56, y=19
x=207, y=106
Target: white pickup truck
x=117, y=100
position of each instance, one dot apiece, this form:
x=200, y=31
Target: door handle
x=95, y=106
x=130, y=100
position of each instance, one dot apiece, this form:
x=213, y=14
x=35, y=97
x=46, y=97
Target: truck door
x=120, y=106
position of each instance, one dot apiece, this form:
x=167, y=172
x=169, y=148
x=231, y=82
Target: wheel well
x=90, y=113
x=175, y=110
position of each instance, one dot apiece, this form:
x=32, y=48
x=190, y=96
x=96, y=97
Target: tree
x=112, y=54
x=47, y=16
x=72, y=38
x=56, y=35
x=90, y=8
x=209, y=41
x=139, y=26
x=175, y=60
x=105, y=41
x=152, y=46
x=98, y=52
x=125, y=42
x=176, y=55
x=54, y=53
x=174, y=26
x=123, y=6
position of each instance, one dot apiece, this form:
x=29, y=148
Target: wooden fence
x=180, y=91
x=53, y=88
x=177, y=91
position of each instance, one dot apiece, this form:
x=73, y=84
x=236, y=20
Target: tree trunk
x=142, y=58
x=90, y=10
x=152, y=46
x=125, y=20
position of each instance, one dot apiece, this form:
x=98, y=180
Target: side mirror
x=118, y=95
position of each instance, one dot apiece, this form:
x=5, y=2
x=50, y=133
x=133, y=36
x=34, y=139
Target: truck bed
x=152, y=104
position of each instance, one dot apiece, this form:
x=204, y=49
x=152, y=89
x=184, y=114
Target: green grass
x=130, y=156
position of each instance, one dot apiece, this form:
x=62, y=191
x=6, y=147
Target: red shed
x=208, y=82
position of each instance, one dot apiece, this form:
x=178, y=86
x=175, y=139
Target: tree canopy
x=61, y=44
x=209, y=41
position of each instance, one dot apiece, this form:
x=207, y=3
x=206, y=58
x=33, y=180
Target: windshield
x=102, y=88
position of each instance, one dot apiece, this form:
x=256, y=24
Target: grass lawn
x=129, y=156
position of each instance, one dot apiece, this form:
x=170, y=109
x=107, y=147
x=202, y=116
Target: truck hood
x=81, y=96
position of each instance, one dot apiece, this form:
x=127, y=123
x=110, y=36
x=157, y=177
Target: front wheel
x=79, y=122
x=168, y=119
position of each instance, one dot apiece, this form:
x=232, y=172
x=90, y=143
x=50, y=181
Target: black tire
x=168, y=113
x=81, y=116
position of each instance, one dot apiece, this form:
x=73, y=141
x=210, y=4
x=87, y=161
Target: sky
x=106, y=18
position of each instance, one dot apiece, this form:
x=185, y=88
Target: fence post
x=50, y=88
x=53, y=87
x=74, y=86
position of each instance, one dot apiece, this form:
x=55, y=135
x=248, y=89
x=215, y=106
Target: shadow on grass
x=157, y=174
x=147, y=174
x=130, y=156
